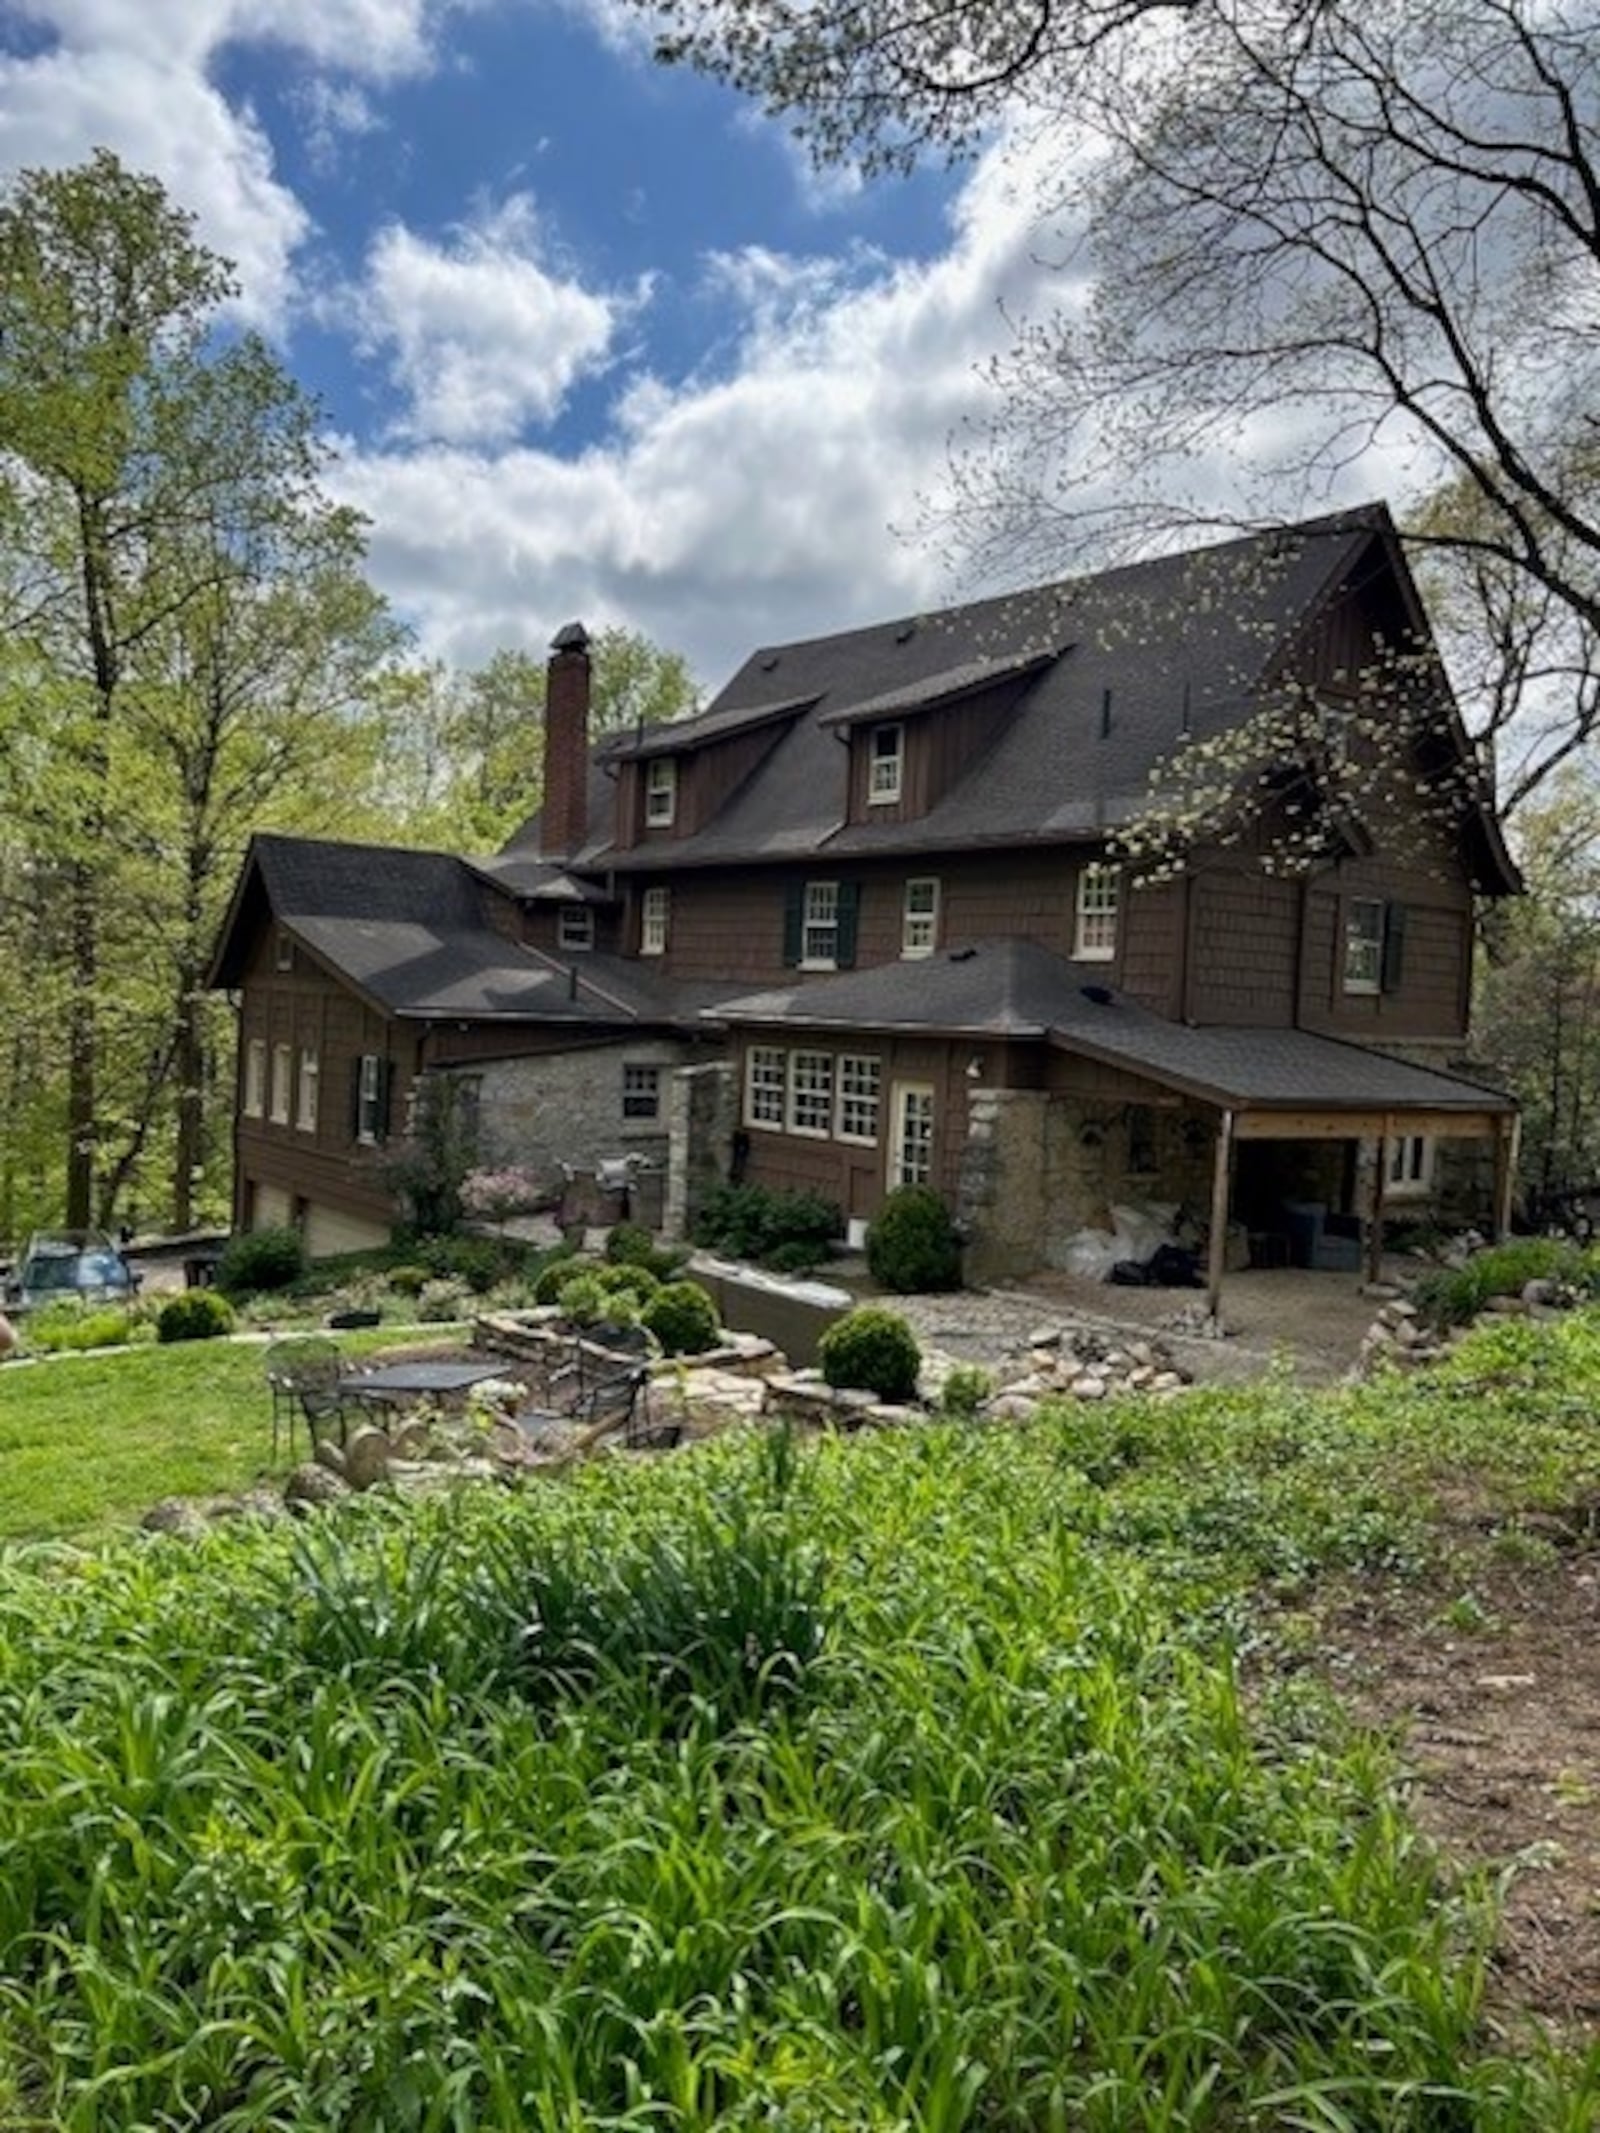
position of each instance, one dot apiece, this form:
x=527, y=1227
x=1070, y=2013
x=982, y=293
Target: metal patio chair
x=307, y=1381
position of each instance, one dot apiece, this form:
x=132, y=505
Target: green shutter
x=385, y=1089
x=1394, y=946
x=849, y=900
x=355, y=1098
x=794, y=900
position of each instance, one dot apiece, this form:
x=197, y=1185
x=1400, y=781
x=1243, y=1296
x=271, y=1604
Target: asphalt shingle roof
x=1018, y=990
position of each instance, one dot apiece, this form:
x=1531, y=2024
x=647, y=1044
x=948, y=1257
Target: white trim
x=282, y=1086
x=919, y=930
x=655, y=921
x=370, y=1090
x=1408, y=1167
x=306, y=1090
x=886, y=764
x=566, y=916
x=819, y=915
x=1362, y=946
x=811, y=1083
x=1098, y=898
x=911, y=1142
x=857, y=1082
x=772, y=1088
x=660, y=791
x=255, y=1077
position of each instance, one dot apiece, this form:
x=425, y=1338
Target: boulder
x=366, y=1457
x=311, y=1486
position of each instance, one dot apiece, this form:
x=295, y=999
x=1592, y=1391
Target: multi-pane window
x=1363, y=945
x=911, y=1158
x=575, y=926
x=653, y=915
x=1409, y=1172
x=641, y=1092
x=860, y=1083
x=660, y=791
x=282, y=1065
x=1097, y=914
x=886, y=755
x=919, y=925
x=305, y=1110
x=811, y=1093
x=283, y=951
x=819, y=924
x=369, y=1098
x=255, y=1077
x=766, y=1080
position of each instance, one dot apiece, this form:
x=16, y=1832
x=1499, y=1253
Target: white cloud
x=333, y=112
x=483, y=337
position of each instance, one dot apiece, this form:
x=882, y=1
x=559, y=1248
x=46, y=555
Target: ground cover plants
x=901, y=1781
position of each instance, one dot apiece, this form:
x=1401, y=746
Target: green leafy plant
x=557, y=1271
x=754, y=1222
x=197, y=1315
x=408, y=1279
x=964, y=1391
x=912, y=1244
x=442, y=1302
x=871, y=1350
x=629, y=1279
x=683, y=1318
x=583, y=1298
x=261, y=1259
x=1451, y=1296
x=71, y=1328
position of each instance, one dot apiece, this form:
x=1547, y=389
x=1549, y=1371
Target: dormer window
x=575, y=927
x=886, y=755
x=660, y=791
x=1096, y=940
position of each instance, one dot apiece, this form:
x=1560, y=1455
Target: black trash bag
x=1171, y=1267
x=1129, y=1274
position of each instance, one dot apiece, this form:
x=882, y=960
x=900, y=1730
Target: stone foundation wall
x=566, y=1107
x=702, y=1110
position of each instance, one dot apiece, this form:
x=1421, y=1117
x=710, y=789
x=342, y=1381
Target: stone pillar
x=701, y=1114
x=1000, y=1199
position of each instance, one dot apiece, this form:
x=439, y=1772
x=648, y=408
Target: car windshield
x=64, y=1267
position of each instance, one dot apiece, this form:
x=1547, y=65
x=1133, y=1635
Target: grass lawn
x=89, y=1442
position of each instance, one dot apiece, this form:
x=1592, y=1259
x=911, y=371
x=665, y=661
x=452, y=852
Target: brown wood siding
x=1244, y=941
x=540, y=930
x=1150, y=940
x=940, y=747
x=308, y=1007
x=1431, y=999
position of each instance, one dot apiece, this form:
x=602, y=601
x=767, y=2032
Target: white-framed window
x=819, y=926
x=654, y=913
x=1363, y=944
x=765, y=1085
x=860, y=1082
x=369, y=1098
x=282, y=1073
x=305, y=1108
x=575, y=927
x=660, y=791
x=641, y=1092
x=255, y=1077
x=1408, y=1173
x=811, y=1094
x=911, y=1149
x=919, y=923
x=886, y=758
x=1096, y=939
x=282, y=951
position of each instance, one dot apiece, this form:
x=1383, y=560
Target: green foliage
x=683, y=1318
x=443, y=1301
x=583, y=1298
x=626, y=1280
x=261, y=1259
x=408, y=1279
x=477, y=1263
x=557, y=1271
x=912, y=1244
x=965, y=1391
x=71, y=1327
x=197, y=1315
x=753, y=1222
x=1451, y=1296
x=429, y=1167
x=872, y=1350
x=629, y=1244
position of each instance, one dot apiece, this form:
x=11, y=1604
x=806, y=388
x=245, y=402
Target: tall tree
x=1305, y=229
x=182, y=605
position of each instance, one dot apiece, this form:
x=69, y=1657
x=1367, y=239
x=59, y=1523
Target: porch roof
x=1018, y=991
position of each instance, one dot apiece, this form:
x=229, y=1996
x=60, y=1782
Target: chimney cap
x=574, y=638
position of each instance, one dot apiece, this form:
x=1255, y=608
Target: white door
x=911, y=1140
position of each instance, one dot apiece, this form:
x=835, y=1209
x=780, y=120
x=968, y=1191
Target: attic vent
x=768, y=661
x=962, y=955
x=1099, y=995
x=905, y=633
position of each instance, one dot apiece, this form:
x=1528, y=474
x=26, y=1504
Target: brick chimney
x=565, y=817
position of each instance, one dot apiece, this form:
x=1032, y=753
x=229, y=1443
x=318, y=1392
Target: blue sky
x=592, y=338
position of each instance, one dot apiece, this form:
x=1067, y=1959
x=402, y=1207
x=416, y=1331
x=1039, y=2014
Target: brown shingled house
x=868, y=919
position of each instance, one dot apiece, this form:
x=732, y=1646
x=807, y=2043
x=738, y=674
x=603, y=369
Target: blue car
x=81, y=1265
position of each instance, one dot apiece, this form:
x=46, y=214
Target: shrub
x=750, y=1222
x=872, y=1350
x=62, y=1326
x=628, y=1280
x=408, y=1280
x=630, y=1244
x=683, y=1318
x=475, y=1262
x=261, y=1259
x=582, y=1298
x=497, y=1195
x=441, y=1301
x=912, y=1244
x=1453, y=1295
x=965, y=1391
x=557, y=1271
x=197, y=1315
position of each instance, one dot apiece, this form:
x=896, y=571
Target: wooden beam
x=1220, y=1181
x=1367, y=1125
x=1380, y=1174
x=1508, y=1143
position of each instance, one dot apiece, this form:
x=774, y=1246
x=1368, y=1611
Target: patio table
x=394, y=1384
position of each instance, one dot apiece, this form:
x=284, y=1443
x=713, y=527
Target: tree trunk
x=82, y=1047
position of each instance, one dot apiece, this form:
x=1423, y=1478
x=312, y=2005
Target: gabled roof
x=1091, y=681
x=1016, y=990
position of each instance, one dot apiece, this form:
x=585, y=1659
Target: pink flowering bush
x=497, y=1195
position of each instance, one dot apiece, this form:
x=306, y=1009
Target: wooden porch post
x=1219, y=1214
x=1380, y=1176
x=1507, y=1143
